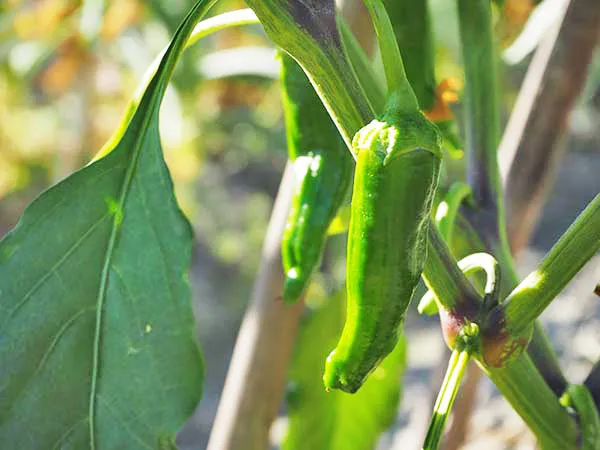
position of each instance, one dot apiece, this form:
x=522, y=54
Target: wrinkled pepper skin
x=323, y=169
x=395, y=181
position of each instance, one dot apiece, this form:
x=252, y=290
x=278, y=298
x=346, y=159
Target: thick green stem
x=483, y=126
x=579, y=243
x=521, y=378
x=481, y=100
x=521, y=384
x=443, y=276
x=540, y=348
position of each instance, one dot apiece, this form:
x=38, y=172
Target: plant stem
x=483, y=126
x=579, y=243
x=521, y=384
x=488, y=218
x=445, y=400
x=481, y=101
x=443, y=276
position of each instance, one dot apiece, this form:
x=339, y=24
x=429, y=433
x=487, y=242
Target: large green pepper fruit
x=394, y=185
x=323, y=169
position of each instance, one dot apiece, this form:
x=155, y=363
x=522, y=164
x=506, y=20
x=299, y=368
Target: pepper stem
x=454, y=374
x=398, y=83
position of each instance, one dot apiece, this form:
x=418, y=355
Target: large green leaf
x=97, y=339
x=335, y=420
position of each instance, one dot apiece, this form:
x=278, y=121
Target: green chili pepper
x=394, y=185
x=578, y=397
x=323, y=170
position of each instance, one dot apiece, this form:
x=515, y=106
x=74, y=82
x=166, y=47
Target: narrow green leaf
x=334, y=420
x=97, y=345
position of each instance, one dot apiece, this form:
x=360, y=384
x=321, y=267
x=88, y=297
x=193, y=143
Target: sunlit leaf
x=97, y=339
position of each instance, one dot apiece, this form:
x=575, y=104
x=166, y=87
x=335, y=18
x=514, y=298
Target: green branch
x=481, y=101
x=443, y=276
x=522, y=385
x=482, y=134
x=579, y=243
x=488, y=218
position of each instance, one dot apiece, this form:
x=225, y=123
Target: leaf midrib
x=148, y=116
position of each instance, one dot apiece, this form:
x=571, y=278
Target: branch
x=530, y=147
x=257, y=374
x=521, y=384
x=481, y=104
x=442, y=275
x=579, y=243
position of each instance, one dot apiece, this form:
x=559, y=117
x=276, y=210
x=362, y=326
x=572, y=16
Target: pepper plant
x=97, y=346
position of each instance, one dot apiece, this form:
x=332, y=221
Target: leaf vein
x=124, y=423
x=55, y=267
x=68, y=432
x=29, y=378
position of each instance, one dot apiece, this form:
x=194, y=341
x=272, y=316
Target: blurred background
x=67, y=71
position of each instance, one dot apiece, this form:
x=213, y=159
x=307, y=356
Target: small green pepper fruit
x=323, y=169
x=395, y=180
